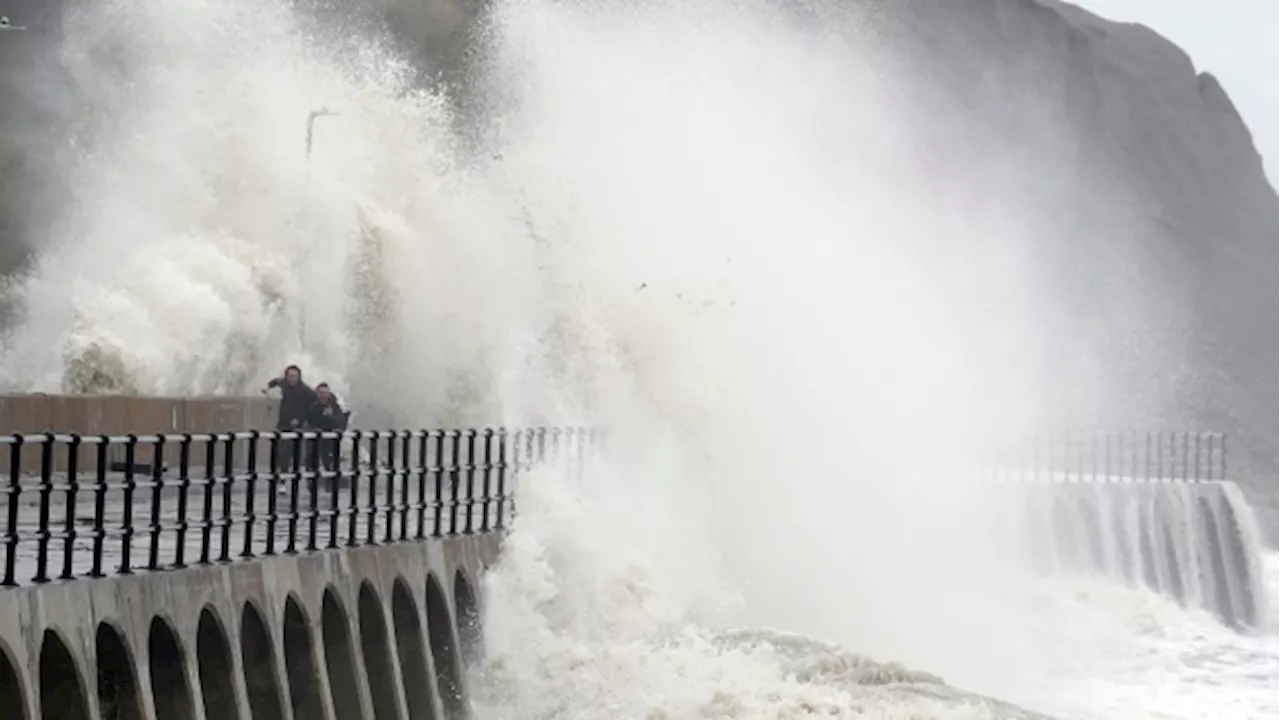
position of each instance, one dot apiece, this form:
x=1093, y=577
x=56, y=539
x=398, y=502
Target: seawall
x=117, y=415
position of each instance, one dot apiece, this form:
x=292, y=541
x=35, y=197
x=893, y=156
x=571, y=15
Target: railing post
x=1223, y=439
x=314, y=471
x=206, y=515
x=504, y=458
x=184, y=488
x=389, y=512
x=353, y=516
x=406, y=461
x=485, y=499
x=226, y=521
x=100, y=489
x=423, y=469
x=468, y=501
x=335, y=477
x=437, y=471
x=69, y=519
x=455, y=441
x=126, y=521
x=14, y=491
x=43, y=533
x=273, y=489
x=295, y=475
x=157, y=489
x=251, y=486
x=371, y=517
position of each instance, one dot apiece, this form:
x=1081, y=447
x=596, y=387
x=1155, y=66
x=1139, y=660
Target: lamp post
x=6, y=26
x=311, y=121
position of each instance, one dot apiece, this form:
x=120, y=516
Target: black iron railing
x=85, y=506
x=1100, y=456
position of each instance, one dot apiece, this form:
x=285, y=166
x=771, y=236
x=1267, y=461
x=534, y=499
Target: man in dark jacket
x=296, y=398
x=326, y=415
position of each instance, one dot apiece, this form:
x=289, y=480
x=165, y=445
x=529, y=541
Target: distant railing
x=73, y=504
x=1101, y=456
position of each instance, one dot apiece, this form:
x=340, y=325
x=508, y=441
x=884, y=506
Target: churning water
x=740, y=235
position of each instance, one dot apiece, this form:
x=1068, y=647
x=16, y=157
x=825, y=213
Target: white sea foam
x=714, y=229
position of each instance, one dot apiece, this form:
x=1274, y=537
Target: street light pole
x=311, y=121
x=6, y=26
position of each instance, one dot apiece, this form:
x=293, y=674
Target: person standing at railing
x=296, y=399
x=326, y=415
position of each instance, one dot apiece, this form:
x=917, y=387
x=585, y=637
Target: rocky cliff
x=1165, y=252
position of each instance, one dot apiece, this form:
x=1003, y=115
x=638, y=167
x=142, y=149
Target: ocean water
x=728, y=233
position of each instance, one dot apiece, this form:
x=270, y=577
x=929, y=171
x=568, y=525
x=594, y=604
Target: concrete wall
x=190, y=645
x=122, y=415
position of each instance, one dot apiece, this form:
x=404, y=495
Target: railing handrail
x=87, y=439
x=1142, y=455
x=396, y=486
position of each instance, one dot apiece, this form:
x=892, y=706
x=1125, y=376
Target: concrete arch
x=377, y=654
x=1149, y=544
x=470, y=632
x=62, y=695
x=1124, y=540
x=258, y=656
x=1237, y=559
x=1165, y=513
x=117, y=683
x=1064, y=533
x=340, y=661
x=13, y=700
x=440, y=632
x=1094, y=554
x=213, y=658
x=300, y=662
x=1217, y=574
x=169, y=690
x=411, y=649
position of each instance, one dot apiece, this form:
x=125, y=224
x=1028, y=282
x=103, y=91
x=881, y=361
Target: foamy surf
x=592, y=630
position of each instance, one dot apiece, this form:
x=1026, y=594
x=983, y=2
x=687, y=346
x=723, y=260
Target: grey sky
x=1236, y=40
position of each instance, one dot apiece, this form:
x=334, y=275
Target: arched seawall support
x=214, y=665
x=340, y=657
x=258, y=660
x=1236, y=561
x=444, y=651
x=173, y=601
x=13, y=691
x=168, y=663
x=1216, y=570
x=375, y=646
x=62, y=690
x=306, y=691
x=1195, y=543
x=412, y=653
x=466, y=610
x=118, y=690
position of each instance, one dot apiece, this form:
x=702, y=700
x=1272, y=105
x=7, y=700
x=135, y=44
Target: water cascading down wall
x=1154, y=510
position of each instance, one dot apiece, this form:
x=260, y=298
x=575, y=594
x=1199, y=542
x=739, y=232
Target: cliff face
x=1165, y=247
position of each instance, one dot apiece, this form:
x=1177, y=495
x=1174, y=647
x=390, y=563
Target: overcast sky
x=1236, y=40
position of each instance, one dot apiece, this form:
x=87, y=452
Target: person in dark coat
x=326, y=415
x=296, y=398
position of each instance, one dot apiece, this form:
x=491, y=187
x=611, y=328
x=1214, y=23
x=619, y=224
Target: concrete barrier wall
x=354, y=634
x=122, y=415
